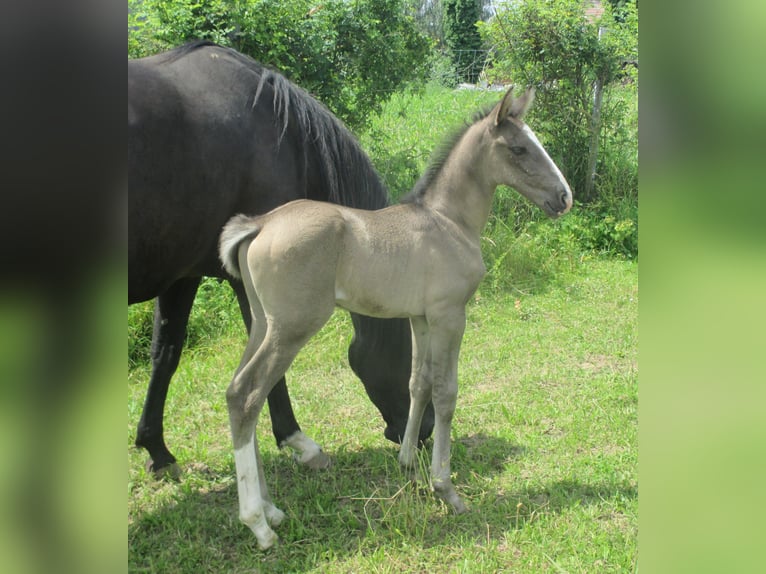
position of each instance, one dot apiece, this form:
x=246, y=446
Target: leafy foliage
x=401, y=138
x=550, y=44
x=462, y=36
x=350, y=55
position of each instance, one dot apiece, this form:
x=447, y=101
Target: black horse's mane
x=439, y=158
x=346, y=171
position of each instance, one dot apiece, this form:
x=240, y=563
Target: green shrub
x=351, y=55
x=462, y=36
x=443, y=71
x=550, y=44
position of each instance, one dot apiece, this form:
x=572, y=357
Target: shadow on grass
x=362, y=503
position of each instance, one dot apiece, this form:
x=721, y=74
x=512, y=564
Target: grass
x=544, y=448
x=401, y=139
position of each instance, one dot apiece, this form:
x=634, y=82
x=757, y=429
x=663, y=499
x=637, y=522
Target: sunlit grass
x=544, y=450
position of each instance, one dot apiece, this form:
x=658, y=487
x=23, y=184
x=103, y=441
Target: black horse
x=212, y=133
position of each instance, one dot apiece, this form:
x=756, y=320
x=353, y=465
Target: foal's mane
x=347, y=174
x=439, y=158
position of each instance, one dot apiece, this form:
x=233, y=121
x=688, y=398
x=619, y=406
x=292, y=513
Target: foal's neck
x=462, y=192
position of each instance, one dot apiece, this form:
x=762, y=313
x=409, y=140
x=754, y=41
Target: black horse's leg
x=284, y=425
x=171, y=316
x=380, y=354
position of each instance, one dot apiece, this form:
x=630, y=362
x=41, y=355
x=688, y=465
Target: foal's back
x=394, y=262
x=413, y=258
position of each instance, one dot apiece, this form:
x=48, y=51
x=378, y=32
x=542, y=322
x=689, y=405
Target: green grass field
x=545, y=449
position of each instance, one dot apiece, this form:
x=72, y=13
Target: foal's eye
x=519, y=150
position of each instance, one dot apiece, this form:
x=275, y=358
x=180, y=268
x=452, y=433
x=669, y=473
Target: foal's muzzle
x=560, y=205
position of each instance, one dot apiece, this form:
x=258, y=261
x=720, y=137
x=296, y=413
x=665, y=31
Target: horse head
x=520, y=161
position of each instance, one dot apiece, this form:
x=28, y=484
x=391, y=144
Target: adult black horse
x=212, y=133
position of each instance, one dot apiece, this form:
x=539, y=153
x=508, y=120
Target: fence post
x=595, y=129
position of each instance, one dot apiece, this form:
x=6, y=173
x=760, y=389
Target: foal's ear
x=514, y=107
x=521, y=105
x=503, y=108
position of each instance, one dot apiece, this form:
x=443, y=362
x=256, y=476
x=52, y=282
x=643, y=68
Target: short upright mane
x=439, y=158
x=348, y=176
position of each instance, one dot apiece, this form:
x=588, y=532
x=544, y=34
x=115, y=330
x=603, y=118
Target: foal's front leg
x=446, y=337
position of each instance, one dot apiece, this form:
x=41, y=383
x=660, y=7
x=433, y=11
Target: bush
x=411, y=125
x=540, y=252
x=462, y=36
x=443, y=71
x=551, y=45
x=350, y=55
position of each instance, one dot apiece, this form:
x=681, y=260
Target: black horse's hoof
x=171, y=471
x=319, y=461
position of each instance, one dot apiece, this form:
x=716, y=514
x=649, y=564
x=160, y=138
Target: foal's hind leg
x=259, y=371
x=285, y=427
x=245, y=398
x=248, y=457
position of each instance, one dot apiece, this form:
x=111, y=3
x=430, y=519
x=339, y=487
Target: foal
x=420, y=259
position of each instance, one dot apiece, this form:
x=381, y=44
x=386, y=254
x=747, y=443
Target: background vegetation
x=462, y=36
x=356, y=56
x=552, y=46
x=351, y=55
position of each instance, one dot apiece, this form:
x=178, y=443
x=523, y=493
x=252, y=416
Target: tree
x=350, y=55
x=550, y=44
x=428, y=15
x=462, y=36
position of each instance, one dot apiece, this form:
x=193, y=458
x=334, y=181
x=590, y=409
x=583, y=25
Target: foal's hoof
x=266, y=538
x=319, y=461
x=452, y=499
x=171, y=471
x=459, y=506
x=274, y=516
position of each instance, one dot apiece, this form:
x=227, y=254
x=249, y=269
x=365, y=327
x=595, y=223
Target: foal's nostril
x=566, y=199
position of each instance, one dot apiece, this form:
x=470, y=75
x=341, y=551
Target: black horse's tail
x=238, y=229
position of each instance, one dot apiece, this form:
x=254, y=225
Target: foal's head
x=519, y=160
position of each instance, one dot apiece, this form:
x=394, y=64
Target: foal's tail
x=238, y=229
